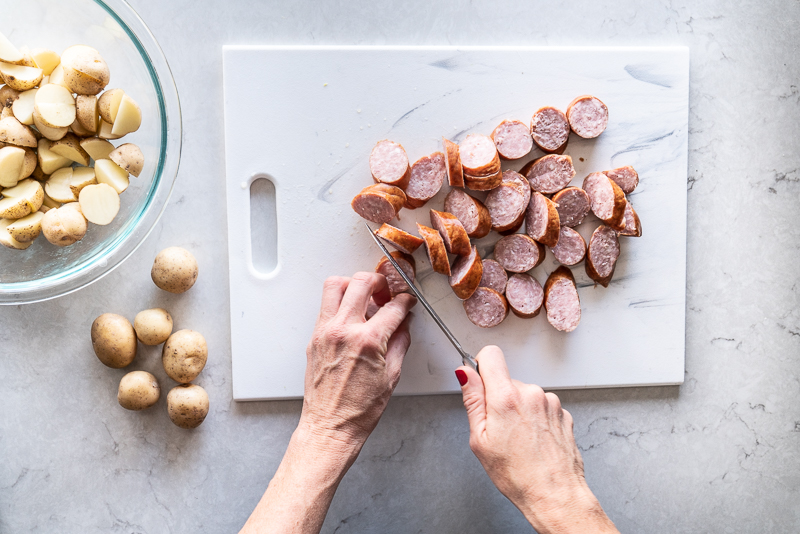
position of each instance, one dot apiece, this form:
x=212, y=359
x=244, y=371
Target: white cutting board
x=307, y=118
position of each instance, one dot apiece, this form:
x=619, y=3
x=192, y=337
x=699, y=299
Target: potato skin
x=64, y=227
x=153, y=326
x=138, y=390
x=85, y=71
x=114, y=340
x=187, y=405
x=174, y=270
x=184, y=355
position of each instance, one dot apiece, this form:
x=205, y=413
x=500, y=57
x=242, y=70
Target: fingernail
x=461, y=376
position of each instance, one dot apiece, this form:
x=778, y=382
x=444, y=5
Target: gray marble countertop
x=719, y=454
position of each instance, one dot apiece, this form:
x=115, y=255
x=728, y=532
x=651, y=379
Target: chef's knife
x=466, y=358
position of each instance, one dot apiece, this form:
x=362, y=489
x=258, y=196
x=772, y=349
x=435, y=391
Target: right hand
x=523, y=438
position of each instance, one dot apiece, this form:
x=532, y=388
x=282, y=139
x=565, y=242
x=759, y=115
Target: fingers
x=474, y=396
x=356, y=297
x=332, y=292
x=388, y=318
x=494, y=374
x=396, y=349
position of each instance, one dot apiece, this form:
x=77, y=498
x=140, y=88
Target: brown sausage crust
x=604, y=242
x=455, y=175
x=482, y=307
x=559, y=323
x=472, y=214
x=396, y=284
x=633, y=226
x=399, y=239
x=483, y=183
x=617, y=218
x=455, y=237
x=437, y=254
x=389, y=199
x=548, y=235
x=466, y=274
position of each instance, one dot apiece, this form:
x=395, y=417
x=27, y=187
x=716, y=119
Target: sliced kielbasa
x=379, y=203
x=455, y=175
x=399, y=239
x=518, y=253
x=427, y=177
x=470, y=211
x=396, y=283
x=494, y=276
x=486, y=307
x=625, y=177
x=541, y=220
x=561, y=300
x=388, y=163
x=607, y=199
x=512, y=139
x=525, y=295
x=479, y=156
x=602, y=255
x=550, y=130
x=587, y=116
x=455, y=237
x=570, y=249
x=573, y=206
x=633, y=226
x=550, y=174
x=467, y=272
x=507, y=202
x=437, y=253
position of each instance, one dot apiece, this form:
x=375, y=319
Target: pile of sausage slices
x=536, y=195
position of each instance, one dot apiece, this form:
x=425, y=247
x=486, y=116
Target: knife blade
x=466, y=358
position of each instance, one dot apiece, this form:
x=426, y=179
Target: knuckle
x=536, y=394
x=333, y=282
x=553, y=401
x=363, y=277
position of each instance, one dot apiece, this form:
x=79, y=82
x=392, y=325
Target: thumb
x=474, y=396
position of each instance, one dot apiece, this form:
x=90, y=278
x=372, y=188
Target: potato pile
x=184, y=355
x=58, y=169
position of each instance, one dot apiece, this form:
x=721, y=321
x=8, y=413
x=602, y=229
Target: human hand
x=354, y=357
x=523, y=438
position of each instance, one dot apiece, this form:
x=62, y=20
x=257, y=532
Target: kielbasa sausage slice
x=388, y=163
x=455, y=237
x=587, y=116
x=625, y=177
x=455, y=175
x=507, y=202
x=541, y=220
x=561, y=300
x=427, y=177
x=512, y=139
x=518, y=253
x=396, y=283
x=602, y=255
x=550, y=130
x=573, y=206
x=494, y=276
x=486, y=307
x=549, y=174
x=470, y=211
x=607, y=199
x=437, y=253
x=571, y=248
x=525, y=295
x=479, y=155
x=633, y=227
x=379, y=203
x=399, y=239
x=466, y=275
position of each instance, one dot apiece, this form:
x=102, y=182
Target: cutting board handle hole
x=263, y=225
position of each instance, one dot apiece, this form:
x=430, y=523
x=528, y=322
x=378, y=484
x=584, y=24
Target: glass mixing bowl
x=138, y=66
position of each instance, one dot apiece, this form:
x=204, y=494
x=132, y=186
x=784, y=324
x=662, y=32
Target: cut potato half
x=23, y=107
x=81, y=177
x=57, y=77
x=78, y=129
x=129, y=117
x=49, y=204
x=85, y=71
x=14, y=208
x=7, y=240
x=49, y=161
x=110, y=173
x=55, y=106
x=29, y=190
x=58, y=187
x=97, y=148
x=87, y=113
x=29, y=164
x=8, y=52
x=15, y=133
x=53, y=134
x=6, y=112
x=108, y=104
x=129, y=157
x=27, y=228
x=20, y=77
x=70, y=147
x=12, y=161
x=99, y=203
x=47, y=60
x=104, y=132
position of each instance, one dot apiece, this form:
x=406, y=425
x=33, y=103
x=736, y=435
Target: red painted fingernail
x=461, y=376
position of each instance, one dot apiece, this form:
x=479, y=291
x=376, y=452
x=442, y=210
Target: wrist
x=329, y=446
x=571, y=509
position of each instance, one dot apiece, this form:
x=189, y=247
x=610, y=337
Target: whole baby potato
x=64, y=226
x=114, y=340
x=138, y=390
x=153, y=327
x=174, y=270
x=184, y=355
x=187, y=405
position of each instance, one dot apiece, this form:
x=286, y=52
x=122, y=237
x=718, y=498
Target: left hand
x=354, y=357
